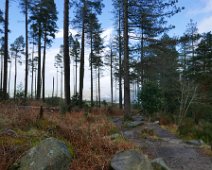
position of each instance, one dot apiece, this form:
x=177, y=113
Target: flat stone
x=133, y=124
x=130, y=160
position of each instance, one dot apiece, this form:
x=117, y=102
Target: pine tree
x=17, y=48
x=25, y=5
x=6, y=55
x=83, y=9
x=66, y=52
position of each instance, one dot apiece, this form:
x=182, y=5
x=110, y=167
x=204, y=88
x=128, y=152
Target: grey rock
x=138, y=118
x=129, y=134
x=133, y=124
x=113, y=136
x=194, y=142
x=159, y=164
x=50, y=154
x=130, y=160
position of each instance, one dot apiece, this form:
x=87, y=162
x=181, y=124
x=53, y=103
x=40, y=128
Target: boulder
x=50, y=154
x=159, y=164
x=130, y=160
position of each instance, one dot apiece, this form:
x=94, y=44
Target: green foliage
x=190, y=130
x=20, y=92
x=19, y=96
x=75, y=101
x=63, y=107
x=2, y=94
x=53, y=101
x=151, y=98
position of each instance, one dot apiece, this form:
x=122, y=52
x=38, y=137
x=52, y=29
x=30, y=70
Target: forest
x=160, y=88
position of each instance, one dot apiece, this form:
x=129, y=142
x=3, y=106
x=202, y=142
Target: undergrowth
x=20, y=129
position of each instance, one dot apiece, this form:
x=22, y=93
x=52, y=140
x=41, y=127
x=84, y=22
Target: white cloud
x=51, y=71
x=107, y=34
x=207, y=8
x=205, y=25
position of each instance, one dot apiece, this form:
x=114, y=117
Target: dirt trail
x=177, y=154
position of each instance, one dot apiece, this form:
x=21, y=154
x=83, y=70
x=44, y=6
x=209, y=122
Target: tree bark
x=15, y=77
x=6, y=22
x=120, y=62
x=91, y=60
x=127, y=109
x=111, y=73
x=27, y=53
x=39, y=66
x=44, y=67
x=66, y=52
x=82, y=58
x=2, y=63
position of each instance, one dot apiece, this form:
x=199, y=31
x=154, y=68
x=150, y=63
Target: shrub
x=53, y=101
x=150, y=98
x=1, y=95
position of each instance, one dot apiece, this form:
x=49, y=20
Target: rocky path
x=177, y=154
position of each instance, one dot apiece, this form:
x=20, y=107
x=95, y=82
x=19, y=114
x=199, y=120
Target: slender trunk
x=142, y=57
x=99, y=90
x=57, y=84
x=66, y=52
x=120, y=62
x=127, y=109
x=76, y=75
x=111, y=74
x=61, y=76
x=26, y=31
x=15, y=78
x=39, y=65
x=53, y=87
x=82, y=58
x=2, y=60
x=91, y=63
x=6, y=22
x=44, y=67
x=32, y=70
x=35, y=83
x=9, y=78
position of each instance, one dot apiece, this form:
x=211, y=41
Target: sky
x=198, y=10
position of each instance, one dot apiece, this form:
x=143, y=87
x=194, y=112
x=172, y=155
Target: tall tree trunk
x=6, y=22
x=66, y=52
x=127, y=109
x=9, y=80
x=76, y=76
x=32, y=70
x=142, y=57
x=91, y=62
x=2, y=65
x=57, y=84
x=39, y=65
x=35, y=84
x=99, y=89
x=44, y=67
x=111, y=73
x=15, y=78
x=61, y=79
x=82, y=58
x=120, y=62
x=53, y=87
x=27, y=53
